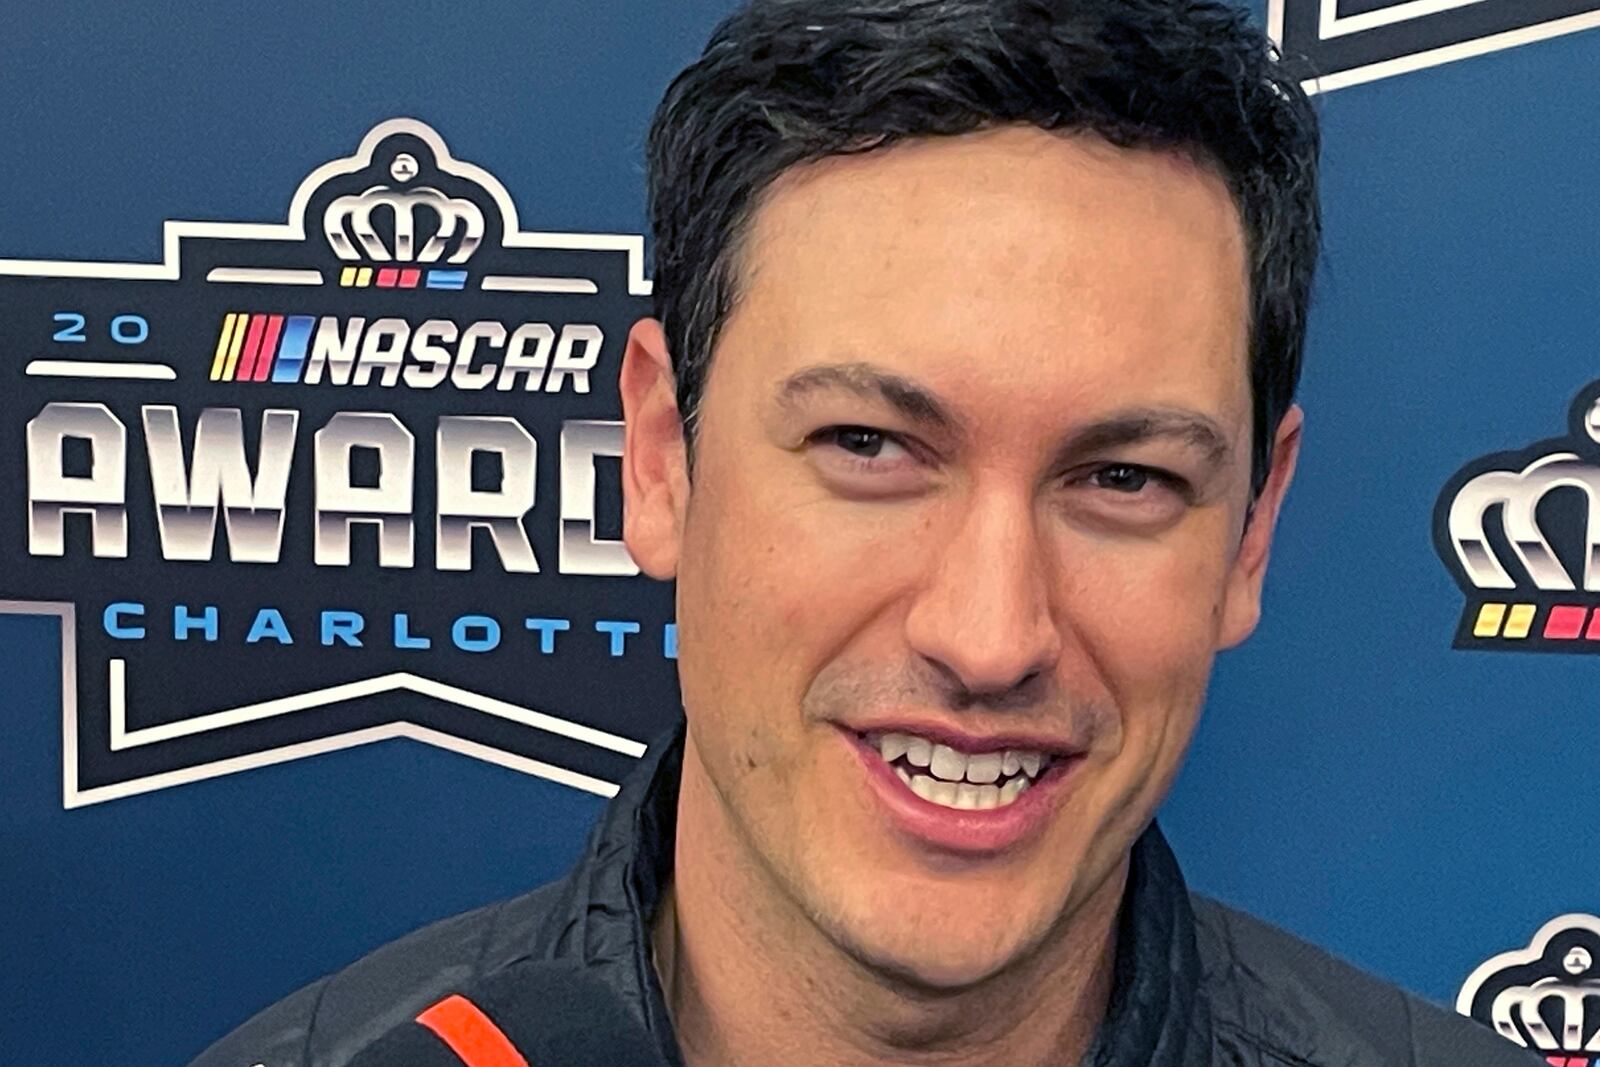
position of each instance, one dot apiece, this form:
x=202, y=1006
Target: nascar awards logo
x=1347, y=42
x=1547, y=996
x=1520, y=532
x=307, y=485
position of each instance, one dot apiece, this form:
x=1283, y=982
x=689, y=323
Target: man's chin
x=937, y=969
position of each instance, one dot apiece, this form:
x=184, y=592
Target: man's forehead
x=1022, y=257
x=944, y=220
x=1069, y=168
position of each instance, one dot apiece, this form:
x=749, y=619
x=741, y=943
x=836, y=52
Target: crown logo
x=1493, y=529
x=351, y=221
x=1546, y=996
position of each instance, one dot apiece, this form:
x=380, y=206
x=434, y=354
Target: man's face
x=971, y=479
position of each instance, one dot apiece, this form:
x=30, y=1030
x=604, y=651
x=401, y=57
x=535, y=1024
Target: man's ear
x=655, y=475
x=1241, y=608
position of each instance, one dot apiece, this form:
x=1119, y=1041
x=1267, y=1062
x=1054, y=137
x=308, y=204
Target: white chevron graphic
x=123, y=738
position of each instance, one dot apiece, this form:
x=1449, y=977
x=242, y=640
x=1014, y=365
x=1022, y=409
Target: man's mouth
x=965, y=781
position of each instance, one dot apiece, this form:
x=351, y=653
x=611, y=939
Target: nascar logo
x=1520, y=532
x=537, y=356
x=351, y=477
x=1545, y=996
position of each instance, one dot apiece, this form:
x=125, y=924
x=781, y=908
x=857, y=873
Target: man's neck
x=749, y=979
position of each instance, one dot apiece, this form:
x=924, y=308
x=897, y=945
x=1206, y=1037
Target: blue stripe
x=292, y=350
x=447, y=279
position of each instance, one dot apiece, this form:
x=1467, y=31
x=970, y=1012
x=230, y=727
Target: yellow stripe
x=233, y=349
x=1520, y=621
x=363, y=277
x=220, y=358
x=1490, y=616
x=347, y=277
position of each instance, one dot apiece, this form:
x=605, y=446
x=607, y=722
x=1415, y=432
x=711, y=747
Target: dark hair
x=784, y=82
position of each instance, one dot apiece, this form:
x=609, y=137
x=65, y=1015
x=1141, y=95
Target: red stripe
x=252, y=342
x=471, y=1034
x=269, y=348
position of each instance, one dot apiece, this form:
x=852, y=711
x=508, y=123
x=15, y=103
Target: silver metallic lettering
x=520, y=361
x=187, y=495
x=101, y=494
x=387, y=505
x=500, y=511
x=463, y=376
x=573, y=361
x=383, y=348
x=581, y=551
x=430, y=361
x=333, y=350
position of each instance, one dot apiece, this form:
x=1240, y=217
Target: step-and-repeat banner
x=315, y=621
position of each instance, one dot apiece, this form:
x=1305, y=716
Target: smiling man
x=963, y=427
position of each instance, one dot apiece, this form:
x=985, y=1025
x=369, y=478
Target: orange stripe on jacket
x=471, y=1034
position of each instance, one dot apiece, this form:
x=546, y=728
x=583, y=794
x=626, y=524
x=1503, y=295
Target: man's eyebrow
x=921, y=406
x=874, y=383
x=1133, y=427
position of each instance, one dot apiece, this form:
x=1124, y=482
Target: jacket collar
x=1156, y=1017
x=1156, y=1013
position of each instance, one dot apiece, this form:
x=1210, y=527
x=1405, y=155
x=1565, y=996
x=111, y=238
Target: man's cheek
x=1153, y=643
x=802, y=599
x=741, y=676
x=1160, y=600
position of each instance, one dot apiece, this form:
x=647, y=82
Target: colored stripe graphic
x=1490, y=618
x=269, y=346
x=219, y=361
x=1565, y=622
x=292, y=356
x=471, y=1034
x=252, y=346
x=1520, y=621
x=447, y=279
x=240, y=321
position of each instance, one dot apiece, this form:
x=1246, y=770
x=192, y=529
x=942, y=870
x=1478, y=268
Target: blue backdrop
x=1414, y=806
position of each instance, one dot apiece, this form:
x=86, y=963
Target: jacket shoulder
x=1277, y=1000
x=327, y=1022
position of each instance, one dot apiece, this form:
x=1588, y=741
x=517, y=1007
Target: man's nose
x=984, y=612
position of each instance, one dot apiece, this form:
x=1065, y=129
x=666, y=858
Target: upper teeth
x=980, y=768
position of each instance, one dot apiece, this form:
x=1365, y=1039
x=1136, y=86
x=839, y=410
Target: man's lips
x=967, y=830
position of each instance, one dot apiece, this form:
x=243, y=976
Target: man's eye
x=859, y=441
x=1122, y=478
x=861, y=463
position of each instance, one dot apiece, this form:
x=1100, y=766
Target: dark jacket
x=1196, y=984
